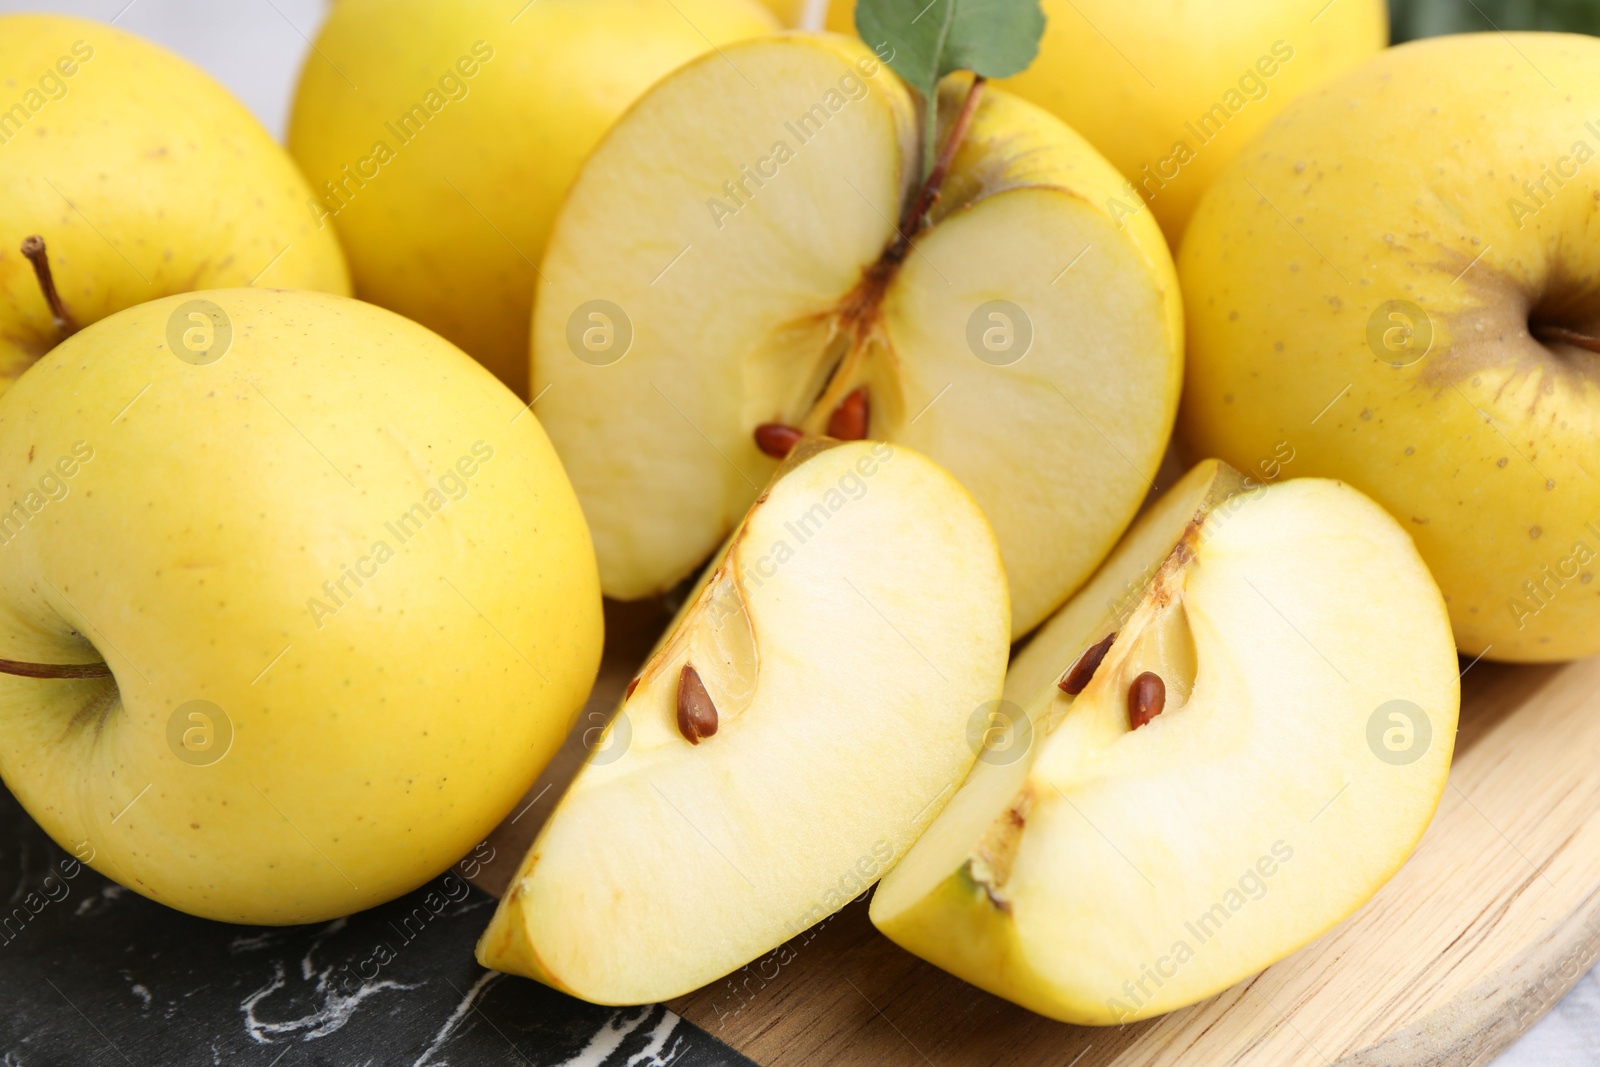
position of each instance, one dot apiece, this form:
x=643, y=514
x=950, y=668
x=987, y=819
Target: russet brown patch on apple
x=96, y=710
x=1495, y=330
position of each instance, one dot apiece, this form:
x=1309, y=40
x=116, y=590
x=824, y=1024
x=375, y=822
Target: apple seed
x=697, y=715
x=1146, y=697
x=1083, y=668
x=776, y=438
x=33, y=248
x=849, y=420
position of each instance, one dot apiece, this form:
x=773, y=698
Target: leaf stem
x=916, y=213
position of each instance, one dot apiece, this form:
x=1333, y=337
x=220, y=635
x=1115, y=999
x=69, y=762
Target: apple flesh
x=1398, y=280
x=1308, y=697
x=304, y=615
x=143, y=176
x=846, y=638
x=729, y=258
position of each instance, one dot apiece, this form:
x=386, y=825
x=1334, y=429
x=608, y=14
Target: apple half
x=801, y=722
x=729, y=257
x=1292, y=750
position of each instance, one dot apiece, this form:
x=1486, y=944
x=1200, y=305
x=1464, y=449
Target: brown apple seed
x=1082, y=670
x=776, y=439
x=1146, y=697
x=697, y=715
x=849, y=420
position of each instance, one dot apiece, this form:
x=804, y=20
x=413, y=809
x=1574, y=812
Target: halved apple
x=729, y=257
x=1290, y=661
x=802, y=721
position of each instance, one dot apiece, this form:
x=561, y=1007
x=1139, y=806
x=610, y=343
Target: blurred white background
x=256, y=47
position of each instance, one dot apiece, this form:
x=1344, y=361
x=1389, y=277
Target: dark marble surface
x=91, y=974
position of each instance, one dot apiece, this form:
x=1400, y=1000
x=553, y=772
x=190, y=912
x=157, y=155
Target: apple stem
x=916, y=214
x=1571, y=337
x=33, y=248
x=54, y=670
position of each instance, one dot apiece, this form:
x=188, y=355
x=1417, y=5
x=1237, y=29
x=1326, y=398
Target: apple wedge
x=800, y=724
x=1257, y=750
x=729, y=258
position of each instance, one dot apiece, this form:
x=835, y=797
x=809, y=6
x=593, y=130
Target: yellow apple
x=1223, y=745
x=719, y=268
x=848, y=642
x=1170, y=90
x=145, y=179
x=295, y=602
x=1397, y=281
x=441, y=137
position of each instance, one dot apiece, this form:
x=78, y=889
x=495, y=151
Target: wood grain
x=1489, y=924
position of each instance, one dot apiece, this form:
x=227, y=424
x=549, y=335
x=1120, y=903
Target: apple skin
x=1129, y=76
x=375, y=740
x=448, y=231
x=1399, y=182
x=145, y=178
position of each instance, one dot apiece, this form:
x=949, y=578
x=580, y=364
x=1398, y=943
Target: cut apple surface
x=727, y=259
x=1305, y=712
x=802, y=721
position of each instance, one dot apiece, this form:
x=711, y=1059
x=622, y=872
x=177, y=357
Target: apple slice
x=729, y=258
x=1291, y=661
x=800, y=724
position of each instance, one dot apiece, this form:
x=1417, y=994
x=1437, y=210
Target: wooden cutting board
x=1488, y=925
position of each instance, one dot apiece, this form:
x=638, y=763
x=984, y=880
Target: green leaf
x=923, y=40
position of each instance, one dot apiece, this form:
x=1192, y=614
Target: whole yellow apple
x=1395, y=285
x=144, y=177
x=1170, y=90
x=295, y=602
x=441, y=138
